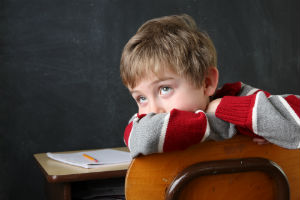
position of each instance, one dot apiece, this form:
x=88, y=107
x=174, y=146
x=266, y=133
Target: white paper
x=104, y=157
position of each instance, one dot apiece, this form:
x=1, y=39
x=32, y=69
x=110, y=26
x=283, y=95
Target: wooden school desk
x=61, y=177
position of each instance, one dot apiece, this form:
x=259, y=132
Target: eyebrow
x=153, y=83
x=161, y=80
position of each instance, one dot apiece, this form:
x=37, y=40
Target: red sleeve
x=184, y=129
x=237, y=110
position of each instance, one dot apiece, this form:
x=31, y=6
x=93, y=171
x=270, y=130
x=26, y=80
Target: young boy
x=169, y=67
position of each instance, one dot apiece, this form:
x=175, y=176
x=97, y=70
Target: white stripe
x=134, y=120
x=162, y=136
x=254, y=114
x=207, y=131
x=251, y=91
x=290, y=109
x=129, y=146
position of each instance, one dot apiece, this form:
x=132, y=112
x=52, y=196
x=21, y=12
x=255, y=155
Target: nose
x=157, y=107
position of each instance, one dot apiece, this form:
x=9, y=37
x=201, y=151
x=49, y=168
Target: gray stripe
x=219, y=129
x=145, y=134
x=245, y=90
x=275, y=123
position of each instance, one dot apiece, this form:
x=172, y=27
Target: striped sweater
x=242, y=110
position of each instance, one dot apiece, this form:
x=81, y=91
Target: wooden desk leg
x=58, y=191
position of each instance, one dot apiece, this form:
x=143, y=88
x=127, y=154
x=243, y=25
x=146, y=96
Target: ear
x=211, y=81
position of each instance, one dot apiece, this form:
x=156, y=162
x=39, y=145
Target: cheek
x=191, y=106
x=180, y=104
x=189, y=102
x=142, y=111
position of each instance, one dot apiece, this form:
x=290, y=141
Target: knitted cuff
x=236, y=110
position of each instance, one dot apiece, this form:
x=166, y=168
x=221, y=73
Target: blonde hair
x=171, y=42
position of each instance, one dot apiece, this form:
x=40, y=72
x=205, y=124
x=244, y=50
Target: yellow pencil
x=90, y=157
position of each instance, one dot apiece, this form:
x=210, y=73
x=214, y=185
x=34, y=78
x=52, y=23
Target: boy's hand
x=260, y=141
x=212, y=106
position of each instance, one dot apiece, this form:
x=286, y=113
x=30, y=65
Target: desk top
x=55, y=171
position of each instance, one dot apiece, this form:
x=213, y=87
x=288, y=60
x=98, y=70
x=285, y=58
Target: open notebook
x=103, y=157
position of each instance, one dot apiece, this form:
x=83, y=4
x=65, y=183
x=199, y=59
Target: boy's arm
x=273, y=117
x=155, y=133
x=177, y=130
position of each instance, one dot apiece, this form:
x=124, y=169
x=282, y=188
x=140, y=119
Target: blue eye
x=165, y=90
x=141, y=99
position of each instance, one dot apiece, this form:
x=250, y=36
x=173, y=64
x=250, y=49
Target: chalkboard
x=60, y=87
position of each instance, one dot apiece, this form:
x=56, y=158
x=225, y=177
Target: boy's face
x=166, y=92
